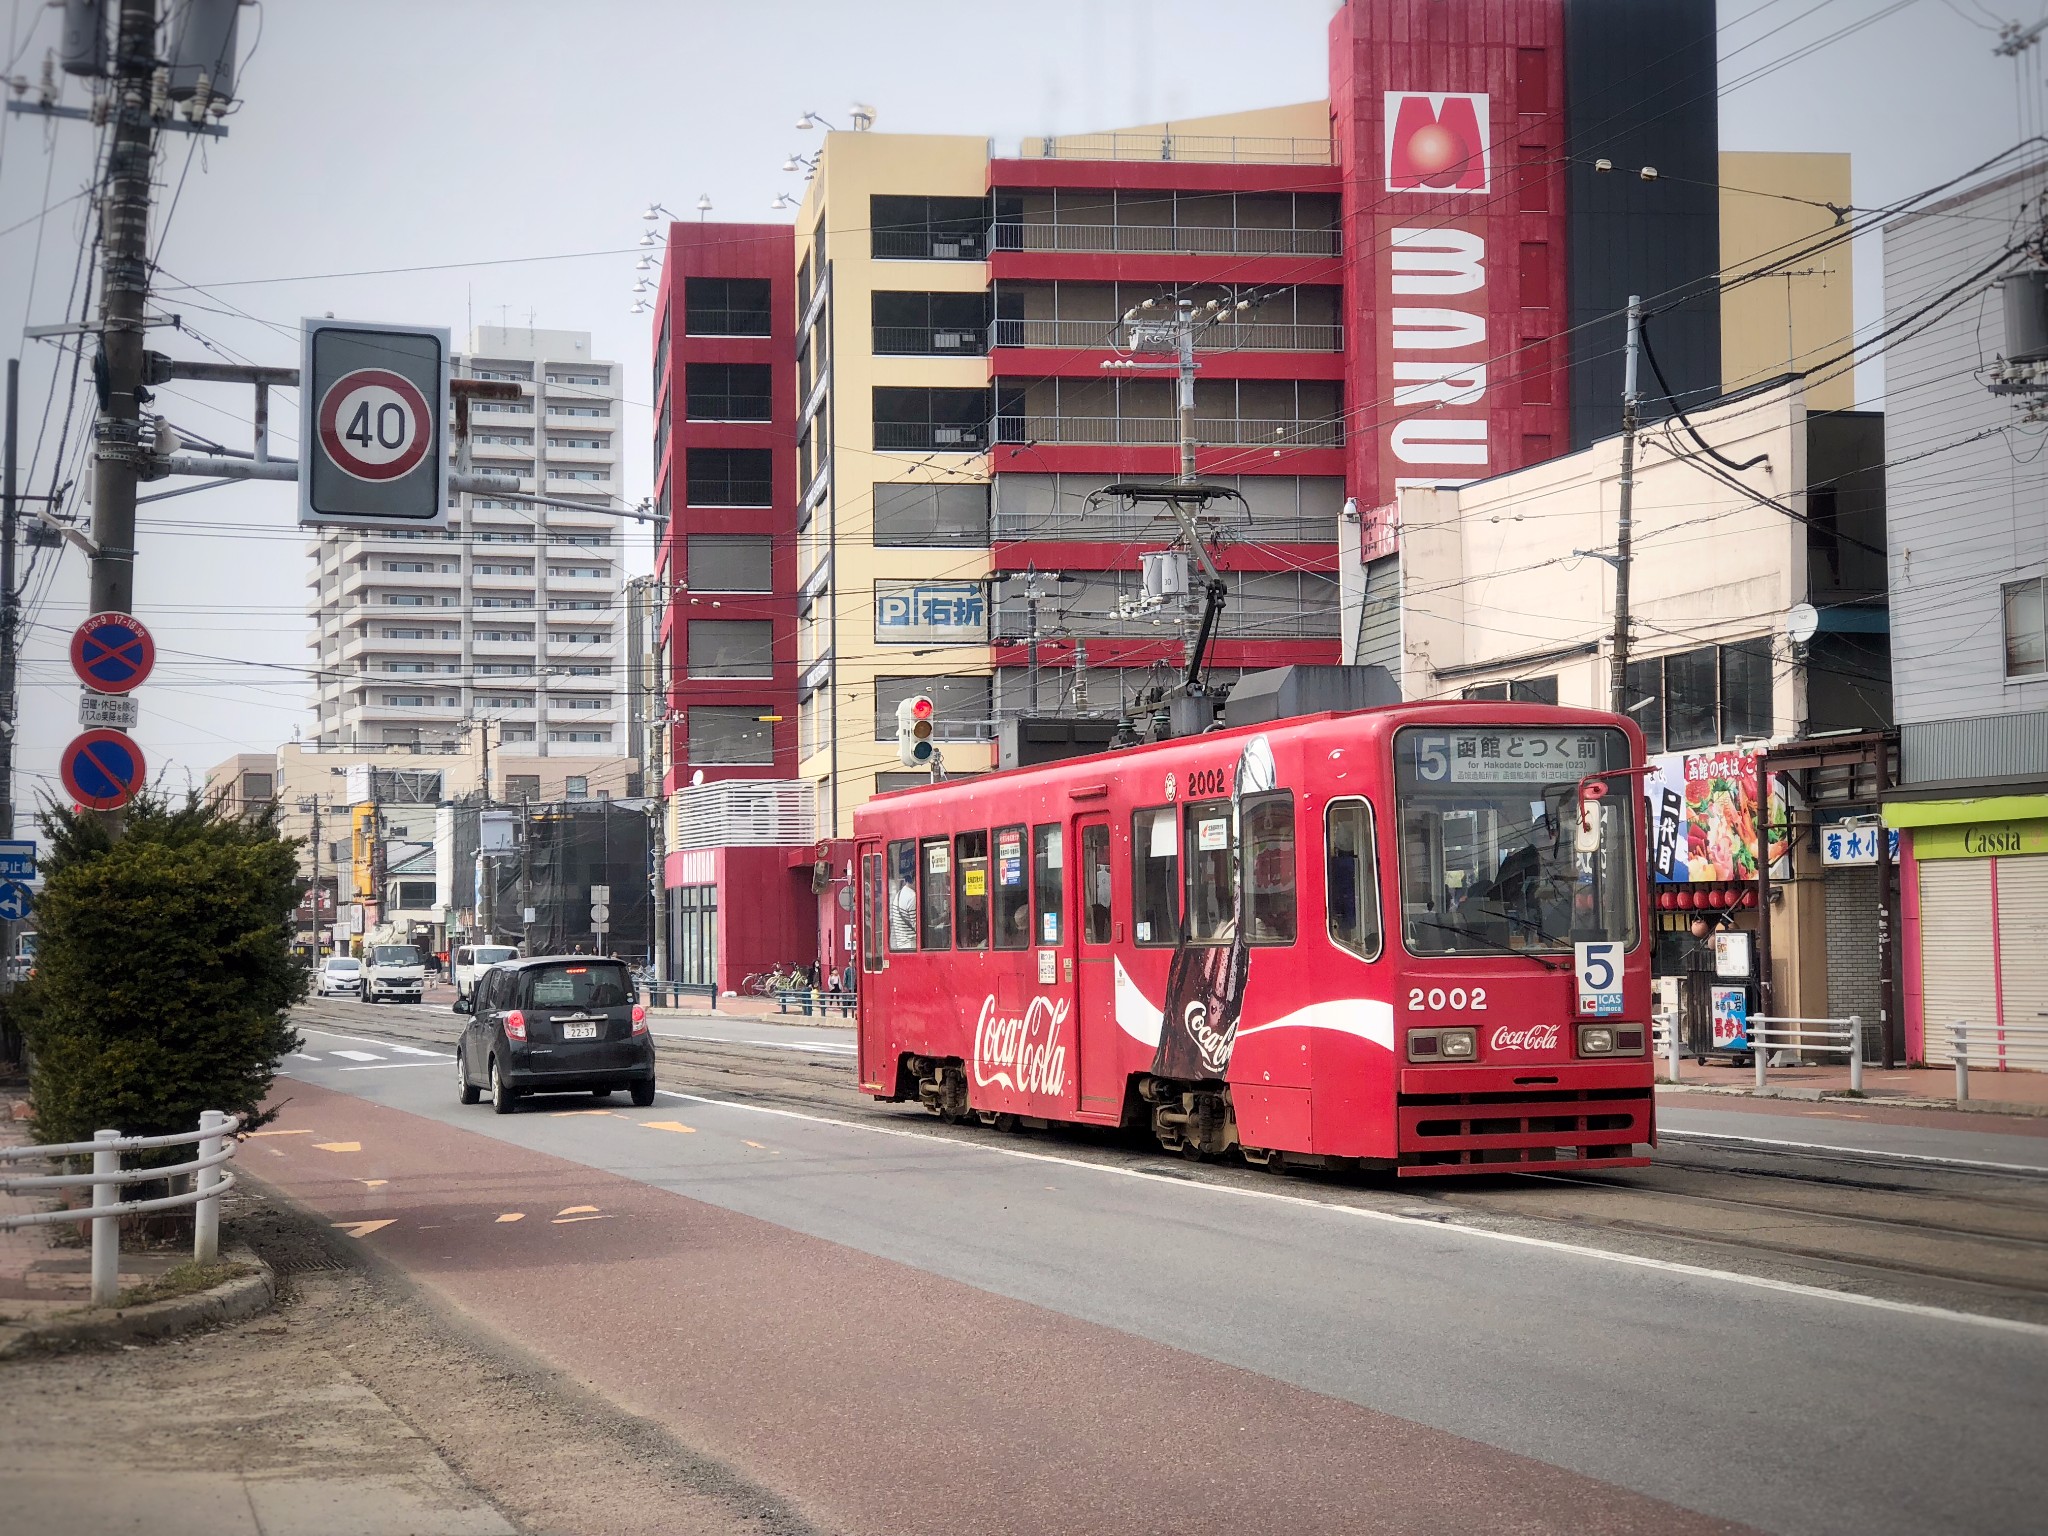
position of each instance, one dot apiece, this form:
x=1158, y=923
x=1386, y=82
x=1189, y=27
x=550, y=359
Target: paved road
x=1037, y=1335
x=1950, y=1136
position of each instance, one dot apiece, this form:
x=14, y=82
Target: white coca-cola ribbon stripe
x=1135, y=1016
x=1366, y=1017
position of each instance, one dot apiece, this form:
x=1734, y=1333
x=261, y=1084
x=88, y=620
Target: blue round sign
x=102, y=769
x=112, y=652
x=15, y=901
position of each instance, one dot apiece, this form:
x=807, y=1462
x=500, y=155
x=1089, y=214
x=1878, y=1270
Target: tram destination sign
x=373, y=425
x=1503, y=756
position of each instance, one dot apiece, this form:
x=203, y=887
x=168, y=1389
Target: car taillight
x=639, y=1019
x=515, y=1025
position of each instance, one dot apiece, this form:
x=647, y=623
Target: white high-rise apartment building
x=419, y=632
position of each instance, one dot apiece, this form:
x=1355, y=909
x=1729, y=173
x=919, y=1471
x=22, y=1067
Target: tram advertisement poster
x=1704, y=811
x=1731, y=1019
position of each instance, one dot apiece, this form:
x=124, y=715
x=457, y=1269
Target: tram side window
x=1155, y=876
x=970, y=890
x=903, y=896
x=1352, y=877
x=1269, y=868
x=1095, y=887
x=1013, y=891
x=1048, y=884
x=1212, y=872
x=873, y=911
x=936, y=907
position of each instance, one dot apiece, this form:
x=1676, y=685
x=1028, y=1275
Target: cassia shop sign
x=1981, y=840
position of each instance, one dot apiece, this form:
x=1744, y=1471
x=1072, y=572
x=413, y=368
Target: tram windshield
x=1490, y=857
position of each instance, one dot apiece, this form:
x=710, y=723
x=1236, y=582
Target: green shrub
x=164, y=976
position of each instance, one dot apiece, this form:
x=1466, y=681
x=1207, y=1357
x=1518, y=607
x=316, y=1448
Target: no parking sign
x=102, y=770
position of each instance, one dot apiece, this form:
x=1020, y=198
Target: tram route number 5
x=1597, y=963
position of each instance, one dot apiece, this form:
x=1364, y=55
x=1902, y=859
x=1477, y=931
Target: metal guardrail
x=1832, y=1036
x=1829, y=1036
x=676, y=991
x=809, y=1000
x=216, y=1141
x=2001, y=1043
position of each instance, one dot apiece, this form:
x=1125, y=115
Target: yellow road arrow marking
x=571, y=1221
x=670, y=1125
x=757, y=1146
x=513, y=1216
x=254, y=1134
x=361, y=1228
x=338, y=1146
x=575, y=1210
x=373, y=1183
x=564, y=1114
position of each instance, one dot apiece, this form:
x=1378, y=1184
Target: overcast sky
x=504, y=149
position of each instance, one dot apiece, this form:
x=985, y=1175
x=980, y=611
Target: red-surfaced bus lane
x=874, y=1395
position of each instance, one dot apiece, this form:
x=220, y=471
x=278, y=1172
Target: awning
x=1949, y=813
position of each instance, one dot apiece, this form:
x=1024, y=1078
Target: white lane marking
x=414, y=1050
x=1820, y=1146
x=835, y=1046
x=1632, y=1260
x=315, y=1029
x=302, y=1056
x=357, y=1055
x=386, y=1066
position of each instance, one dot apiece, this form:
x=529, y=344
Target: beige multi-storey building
x=419, y=632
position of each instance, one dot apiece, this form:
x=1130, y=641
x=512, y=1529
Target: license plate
x=579, y=1031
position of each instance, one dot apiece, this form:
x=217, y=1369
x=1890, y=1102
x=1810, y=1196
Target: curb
x=1836, y=1095
x=230, y=1302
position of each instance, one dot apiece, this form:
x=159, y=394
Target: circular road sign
x=375, y=424
x=600, y=913
x=112, y=652
x=102, y=769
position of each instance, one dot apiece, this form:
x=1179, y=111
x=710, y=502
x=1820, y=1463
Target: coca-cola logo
x=1022, y=1052
x=1529, y=1037
x=1214, y=1045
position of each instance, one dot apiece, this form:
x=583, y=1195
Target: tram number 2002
x=1436, y=999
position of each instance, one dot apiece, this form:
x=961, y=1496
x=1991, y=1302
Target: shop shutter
x=2023, y=951
x=1956, y=958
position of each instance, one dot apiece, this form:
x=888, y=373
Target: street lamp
x=811, y=120
x=655, y=211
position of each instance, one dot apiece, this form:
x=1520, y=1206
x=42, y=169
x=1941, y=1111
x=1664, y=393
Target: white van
x=472, y=960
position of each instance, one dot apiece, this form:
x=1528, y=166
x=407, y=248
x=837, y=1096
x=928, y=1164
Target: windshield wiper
x=1506, y=949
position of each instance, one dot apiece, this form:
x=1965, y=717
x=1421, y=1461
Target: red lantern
x=1749, y=897
x=1685, y=900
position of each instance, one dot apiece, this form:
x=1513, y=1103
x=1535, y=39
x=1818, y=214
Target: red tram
x=1409, y=938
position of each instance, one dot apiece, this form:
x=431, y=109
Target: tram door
x=874, y=917
x=1102, y=1085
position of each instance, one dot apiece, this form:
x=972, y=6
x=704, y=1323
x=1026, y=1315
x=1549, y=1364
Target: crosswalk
x=381, y=1058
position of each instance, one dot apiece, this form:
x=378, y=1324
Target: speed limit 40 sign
x=373, y=425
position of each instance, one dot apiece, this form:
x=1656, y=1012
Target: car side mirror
x=463, y=1005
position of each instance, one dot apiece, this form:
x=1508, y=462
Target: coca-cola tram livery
x=1408, y=938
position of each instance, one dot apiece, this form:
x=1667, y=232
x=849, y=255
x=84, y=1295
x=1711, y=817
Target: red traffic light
x=921, y=707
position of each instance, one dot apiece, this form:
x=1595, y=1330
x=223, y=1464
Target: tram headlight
x=1443, y=1044
x=1611, y=1040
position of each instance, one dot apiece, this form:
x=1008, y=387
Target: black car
x=554, y=1024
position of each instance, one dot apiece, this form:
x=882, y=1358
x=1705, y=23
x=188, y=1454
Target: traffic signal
x=914, y=731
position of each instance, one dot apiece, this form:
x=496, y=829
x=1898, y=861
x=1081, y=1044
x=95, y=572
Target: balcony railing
x=1205, y=149
x=930, y=340
x=1152, y=431
x=1157, y=239
x=731, y=493
x=1240, y=621
x=929, y=245
x=1241, y=336
x=1111, y=518
x=923, y=437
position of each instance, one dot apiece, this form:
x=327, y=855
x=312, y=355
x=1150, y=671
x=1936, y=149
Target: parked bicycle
x=768, y=983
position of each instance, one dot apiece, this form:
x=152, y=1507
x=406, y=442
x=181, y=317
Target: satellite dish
x=1802, y=621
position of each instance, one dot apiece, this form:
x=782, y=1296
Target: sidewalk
x=1991, y=1092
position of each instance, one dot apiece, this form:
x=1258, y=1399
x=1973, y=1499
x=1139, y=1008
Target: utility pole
x=124, y=296
x=1031, y=631
x=316, y=878
x=1624, y=530
x=9, y=617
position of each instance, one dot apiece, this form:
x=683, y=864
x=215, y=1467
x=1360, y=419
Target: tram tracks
x=1960, y=1238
